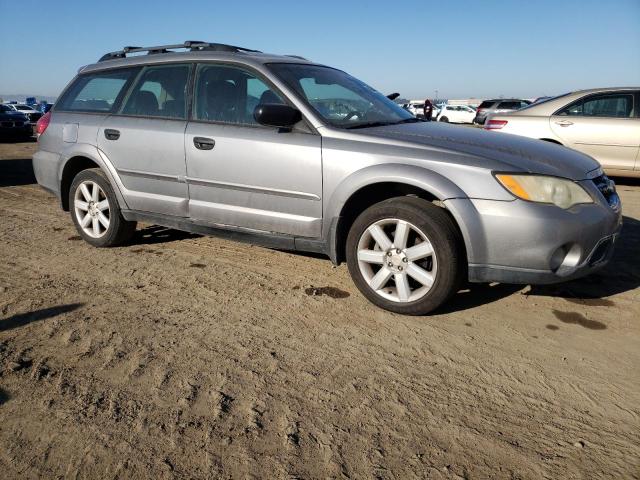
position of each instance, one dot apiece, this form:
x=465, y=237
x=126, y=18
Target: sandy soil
x=181, y=356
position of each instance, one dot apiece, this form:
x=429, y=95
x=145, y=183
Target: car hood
x=499, y=151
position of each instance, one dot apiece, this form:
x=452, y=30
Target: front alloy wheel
x=406, y=255
x=397, y=260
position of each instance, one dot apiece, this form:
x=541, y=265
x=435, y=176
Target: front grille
x=607, y=188
x=6, y=124
x=18, y=124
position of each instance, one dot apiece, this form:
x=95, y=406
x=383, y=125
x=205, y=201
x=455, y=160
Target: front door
x=144, y=141
x=247, y=175
x=604, y=126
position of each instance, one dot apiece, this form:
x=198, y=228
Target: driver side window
x=230, y=95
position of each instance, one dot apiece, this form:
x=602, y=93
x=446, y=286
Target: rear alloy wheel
x=405, y=255
x=95, y=210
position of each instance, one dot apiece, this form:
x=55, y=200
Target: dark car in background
x=498, y=105
x=13, y=123
x=31, y=113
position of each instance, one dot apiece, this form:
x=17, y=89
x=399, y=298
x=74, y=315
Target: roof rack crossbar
x=192, y=45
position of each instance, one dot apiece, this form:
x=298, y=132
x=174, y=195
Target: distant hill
x=20, y=97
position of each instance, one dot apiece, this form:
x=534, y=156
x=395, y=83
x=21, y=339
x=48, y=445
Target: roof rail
x=191, y=45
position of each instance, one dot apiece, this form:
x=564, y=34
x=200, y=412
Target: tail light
x=479, y=111
x=495, y=124
x=43, y=123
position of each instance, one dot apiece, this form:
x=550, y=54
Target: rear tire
x=444, y=119
x=95, y=211
x=406, y=255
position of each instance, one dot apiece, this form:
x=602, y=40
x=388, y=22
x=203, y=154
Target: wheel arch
x=375, y=184
x=81, y=158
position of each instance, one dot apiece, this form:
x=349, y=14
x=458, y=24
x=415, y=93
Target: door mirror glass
x=276, y=115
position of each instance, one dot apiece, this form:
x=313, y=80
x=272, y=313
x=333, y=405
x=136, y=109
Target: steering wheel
x=351, y=114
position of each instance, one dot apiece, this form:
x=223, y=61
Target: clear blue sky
x=461, y=48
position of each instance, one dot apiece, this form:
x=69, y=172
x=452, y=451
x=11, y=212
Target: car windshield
x=340, y=99
x=23, y=107
x=4, y=108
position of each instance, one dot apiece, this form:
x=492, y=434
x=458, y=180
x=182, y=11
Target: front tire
x=406, y=255
x=95, y=211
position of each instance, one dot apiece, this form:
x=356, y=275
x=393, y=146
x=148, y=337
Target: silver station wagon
x=283, y=152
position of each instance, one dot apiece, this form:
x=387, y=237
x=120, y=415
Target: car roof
x=251, y=58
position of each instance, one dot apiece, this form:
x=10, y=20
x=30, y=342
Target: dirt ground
x=182, y=356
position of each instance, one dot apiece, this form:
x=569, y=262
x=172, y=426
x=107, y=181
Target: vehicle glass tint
x=95, y=92
x=340, y=99
x=230, y=95
x=608, y=105
x=4, y=108
x=159, y=92
x=486, y=104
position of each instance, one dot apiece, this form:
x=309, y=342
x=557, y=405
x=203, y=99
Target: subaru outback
x=286, y=153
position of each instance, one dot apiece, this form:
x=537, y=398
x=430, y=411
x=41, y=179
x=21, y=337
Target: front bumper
x=530, y=243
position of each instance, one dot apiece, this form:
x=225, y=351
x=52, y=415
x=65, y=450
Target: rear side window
x=608, y=105
x=510, y=105
x=96, y=92
x=486, y=104
x=159, y=92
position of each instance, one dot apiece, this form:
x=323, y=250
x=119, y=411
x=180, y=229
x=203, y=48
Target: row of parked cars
x=18, y=120
x=450, y=113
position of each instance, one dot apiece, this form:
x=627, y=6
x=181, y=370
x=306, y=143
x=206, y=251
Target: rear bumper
x=528, y=243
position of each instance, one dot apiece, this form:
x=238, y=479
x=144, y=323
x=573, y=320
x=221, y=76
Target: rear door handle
x=111, y=134
x=564, y=123
x=204, y=143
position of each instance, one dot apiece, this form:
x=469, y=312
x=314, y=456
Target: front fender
x=419, y=177
x=429, y=181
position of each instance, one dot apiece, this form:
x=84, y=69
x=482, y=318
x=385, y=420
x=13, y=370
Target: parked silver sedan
x=603, y=123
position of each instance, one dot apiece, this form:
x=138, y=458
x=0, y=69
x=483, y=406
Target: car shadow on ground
x=23, y=319
x=18, y=139
x=16, y=172
x=4, y=396
x=157, y=234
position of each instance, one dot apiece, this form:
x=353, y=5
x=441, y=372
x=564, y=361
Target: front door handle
x=111, y=134
x=564, y=123
x=204, y=143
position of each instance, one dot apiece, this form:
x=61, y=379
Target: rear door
x=244, y=174
x=144, y=140
x=605, y=126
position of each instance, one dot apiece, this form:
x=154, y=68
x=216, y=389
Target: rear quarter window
x=486, y=104
x=95, y=92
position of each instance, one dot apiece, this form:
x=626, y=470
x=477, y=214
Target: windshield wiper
x=369, y=124
x=383, y=124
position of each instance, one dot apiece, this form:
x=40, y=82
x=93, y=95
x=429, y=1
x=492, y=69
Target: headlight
x=539, y=188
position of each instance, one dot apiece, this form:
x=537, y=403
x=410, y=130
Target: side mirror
x=276, y=115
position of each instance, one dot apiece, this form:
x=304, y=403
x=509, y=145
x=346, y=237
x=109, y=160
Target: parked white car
x=456, y=114
x=604, y=123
